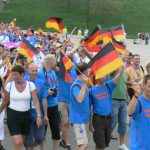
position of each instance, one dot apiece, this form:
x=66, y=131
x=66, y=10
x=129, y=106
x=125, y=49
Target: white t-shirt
x=4, y=39
x=78, y=59
x=20, y=101
x=38, y=60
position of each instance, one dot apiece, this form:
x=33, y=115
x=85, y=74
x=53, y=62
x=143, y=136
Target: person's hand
x=137, y=89
x=121, y=69
x=84, y=79
x=39, y=121
x=46, y=120
x=50, y=92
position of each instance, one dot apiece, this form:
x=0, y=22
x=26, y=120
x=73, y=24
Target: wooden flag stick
x=71, y=33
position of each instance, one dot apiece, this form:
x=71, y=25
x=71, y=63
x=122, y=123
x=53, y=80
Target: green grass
x=134, y=14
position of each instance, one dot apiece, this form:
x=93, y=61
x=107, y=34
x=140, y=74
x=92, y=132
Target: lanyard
x=138, y=73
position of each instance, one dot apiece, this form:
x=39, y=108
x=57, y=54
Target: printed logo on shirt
x=147, y=113
x=102, y=95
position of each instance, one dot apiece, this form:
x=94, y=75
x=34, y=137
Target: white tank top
x=20, y=101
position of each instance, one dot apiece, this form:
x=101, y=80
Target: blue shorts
x=36, y=135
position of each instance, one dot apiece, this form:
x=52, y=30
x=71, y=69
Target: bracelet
x=38, y=115
x=134, y=96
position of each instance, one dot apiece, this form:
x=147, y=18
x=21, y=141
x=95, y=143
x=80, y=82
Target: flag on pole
x=13, y=24
x=92, y=43
x=119, y=46
x=55, y=23
x=105, y=62
x=27, y=49
x=65, y=65
x=117, y=32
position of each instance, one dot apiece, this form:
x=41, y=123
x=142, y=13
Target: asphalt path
x=48, y=143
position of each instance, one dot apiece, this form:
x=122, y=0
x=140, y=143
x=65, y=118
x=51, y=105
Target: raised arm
x=118, y=76
x=81, y=95
x=133, y=103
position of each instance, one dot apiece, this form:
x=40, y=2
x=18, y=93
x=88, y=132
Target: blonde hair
x=48, y=59
x=147, y=65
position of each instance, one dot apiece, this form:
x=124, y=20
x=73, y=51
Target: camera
x=55, y=92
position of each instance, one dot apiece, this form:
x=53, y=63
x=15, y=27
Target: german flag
x=117, y=32
x=109, y=37
x=119, y=46
x=92, y=80
x=91, y=43
x=13, y=24
x=27, y=49
x=105, y=62
x=64, y=65
x=67, y=62
x=55, y=23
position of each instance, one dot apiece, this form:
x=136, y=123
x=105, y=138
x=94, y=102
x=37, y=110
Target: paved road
x=113, y=144
x=142, y=49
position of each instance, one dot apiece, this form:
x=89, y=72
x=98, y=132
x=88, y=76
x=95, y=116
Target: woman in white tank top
x=17, y=97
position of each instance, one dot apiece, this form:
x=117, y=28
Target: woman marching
x=17, y=95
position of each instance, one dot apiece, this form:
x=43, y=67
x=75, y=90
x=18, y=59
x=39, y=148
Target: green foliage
x=134, y=14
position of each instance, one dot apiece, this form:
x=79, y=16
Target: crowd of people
x=142, y=36
x=33, y=96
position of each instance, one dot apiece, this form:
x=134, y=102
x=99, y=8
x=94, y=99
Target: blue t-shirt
x=63, y=91
x=26, y=75
x=10, y=36
x=50, y=80
x=101, y=97
x=140, y=126
x=64, y=87
x=79, y=112
x=41, y=94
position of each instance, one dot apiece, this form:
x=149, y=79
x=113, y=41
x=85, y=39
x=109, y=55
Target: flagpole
x=99, y=26
x=75, y=66
x=71, y=33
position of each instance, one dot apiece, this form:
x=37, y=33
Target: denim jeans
x=119, y=115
